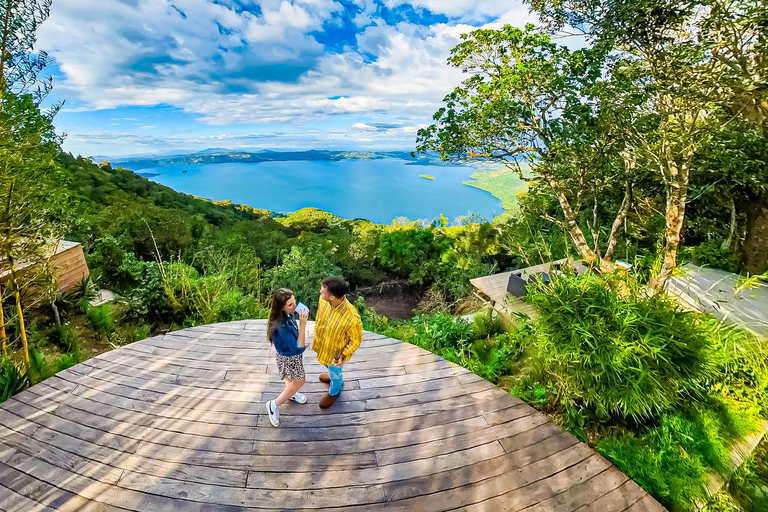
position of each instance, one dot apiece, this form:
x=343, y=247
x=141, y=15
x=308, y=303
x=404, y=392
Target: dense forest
x=648, y=145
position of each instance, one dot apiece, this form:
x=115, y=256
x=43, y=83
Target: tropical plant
x=632, y=358
x=13, y=378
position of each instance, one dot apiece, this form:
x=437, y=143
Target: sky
x=142, y=77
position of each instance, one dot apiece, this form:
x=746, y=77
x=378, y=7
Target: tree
x=732, y=176
x=535, y=106
x=675, y=64
x=737, y=33
x=20, y=66
x=28, y=179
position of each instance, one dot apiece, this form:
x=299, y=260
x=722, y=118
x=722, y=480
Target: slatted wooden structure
x=66, y=259
x=70, y=265
x=717, y=292
x=177, y=422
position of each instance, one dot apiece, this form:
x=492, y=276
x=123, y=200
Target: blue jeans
x=337, y=382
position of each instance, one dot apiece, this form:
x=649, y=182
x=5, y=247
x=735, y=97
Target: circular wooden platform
x=177, y=422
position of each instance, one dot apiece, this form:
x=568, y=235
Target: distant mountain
x=220, y=156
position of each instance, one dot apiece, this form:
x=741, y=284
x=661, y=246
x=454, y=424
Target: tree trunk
x=577, y=235
x=56, y=313
x=755, y=248
x=19, y=313
x=621, y=216
x=728, y=242
x=677, y=195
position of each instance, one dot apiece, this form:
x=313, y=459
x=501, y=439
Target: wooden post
x=2, y=323
x=22, y=329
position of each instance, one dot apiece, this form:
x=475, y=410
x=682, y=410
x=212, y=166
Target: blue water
x=377, y=190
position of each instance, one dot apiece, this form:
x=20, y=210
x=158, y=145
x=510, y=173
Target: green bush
x=672, y=461
x=66, y=338
x=442, y=333
x=486, y=323
x=105, y=258
x=626, y=358
x=406, y=251
x=302, y=270
x=233, y=305
x=749, y=485
x=493, y=358
x=371, y=321
x=13, y=378
x=710, y=254
x=101, y=319
x=129, y=333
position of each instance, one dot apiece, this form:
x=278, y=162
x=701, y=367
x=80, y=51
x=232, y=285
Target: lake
x=378, y=190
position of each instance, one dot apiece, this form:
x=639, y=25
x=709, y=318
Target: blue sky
x=163, y=76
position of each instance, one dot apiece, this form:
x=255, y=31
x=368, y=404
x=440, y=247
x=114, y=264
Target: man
x=338, y=333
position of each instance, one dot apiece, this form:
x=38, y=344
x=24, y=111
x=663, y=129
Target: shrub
x=442, y=331
x=302, y=270
x=672, y=461
x=629, y=358
x=129, y=333
x=234, y=305
x=493, y=357
x=486, y=323
x=13, y=378
x=105, y=258
x=710, y=254
x=101, y=319
x=749, y=485
x=371, y=321
x=66, y=338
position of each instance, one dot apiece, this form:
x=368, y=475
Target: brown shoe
x=327, y=401
x=324, y=377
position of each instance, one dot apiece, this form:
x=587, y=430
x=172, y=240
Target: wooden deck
x=716, y=292
x=177, y=422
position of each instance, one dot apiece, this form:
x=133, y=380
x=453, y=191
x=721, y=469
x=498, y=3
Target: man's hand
x=338, y=362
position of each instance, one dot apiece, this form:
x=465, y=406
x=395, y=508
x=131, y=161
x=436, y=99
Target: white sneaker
x=299, y=398
x=274, y=413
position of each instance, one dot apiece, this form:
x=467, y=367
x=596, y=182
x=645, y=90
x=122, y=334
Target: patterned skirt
x=290, y=367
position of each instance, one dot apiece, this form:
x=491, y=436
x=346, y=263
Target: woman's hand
x=303, y=317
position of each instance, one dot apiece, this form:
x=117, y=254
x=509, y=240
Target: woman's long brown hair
x=276, y=314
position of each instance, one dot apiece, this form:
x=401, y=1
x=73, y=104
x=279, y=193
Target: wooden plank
x=177, y=422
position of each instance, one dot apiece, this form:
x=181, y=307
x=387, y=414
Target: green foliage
x=13, y=378
x=302, y=270
x=626, y=358
x=711, y=254
x=441, y=332
x=486, y=323
x=407, y=251
x=42, y=367
x=371, y=320
x=101, y=319
x=672, y=461
x=105, y=257
x=141, y=286
x=84, y=292
x=212, y=297
x=749, y=485
x=129, y=333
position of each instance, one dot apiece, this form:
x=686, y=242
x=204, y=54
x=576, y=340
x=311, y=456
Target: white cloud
x=230, y=66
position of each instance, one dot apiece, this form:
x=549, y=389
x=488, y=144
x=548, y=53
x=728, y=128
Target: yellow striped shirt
x=337, y=330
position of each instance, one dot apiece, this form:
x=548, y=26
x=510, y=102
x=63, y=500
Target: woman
x=288, y=339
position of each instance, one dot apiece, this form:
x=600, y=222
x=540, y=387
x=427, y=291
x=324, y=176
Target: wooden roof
x=177, y=422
